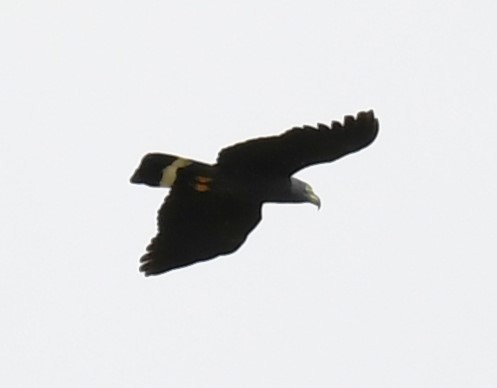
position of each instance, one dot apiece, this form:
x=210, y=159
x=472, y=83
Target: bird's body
x=211, y=209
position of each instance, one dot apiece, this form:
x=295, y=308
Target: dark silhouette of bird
x=211, y=209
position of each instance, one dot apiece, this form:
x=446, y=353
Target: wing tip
x=149, y=267
x=361, y=129
x=146, y=264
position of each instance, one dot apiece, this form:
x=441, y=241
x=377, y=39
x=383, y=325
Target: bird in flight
x=211, y=209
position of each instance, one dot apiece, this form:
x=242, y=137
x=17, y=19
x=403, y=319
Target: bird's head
x=302, y=192
x=158, y=170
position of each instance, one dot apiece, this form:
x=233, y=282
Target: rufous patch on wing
x=203, y=179
x=201, y=187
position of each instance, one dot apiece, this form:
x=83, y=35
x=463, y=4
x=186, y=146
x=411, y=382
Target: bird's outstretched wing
x=196, y=226
x=301, y=147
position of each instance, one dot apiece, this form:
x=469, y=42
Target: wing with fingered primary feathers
x=298, y=148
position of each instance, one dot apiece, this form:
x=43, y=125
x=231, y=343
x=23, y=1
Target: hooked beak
x=313, y=198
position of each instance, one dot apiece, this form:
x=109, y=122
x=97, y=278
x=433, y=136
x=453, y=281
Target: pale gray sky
x=391, y=284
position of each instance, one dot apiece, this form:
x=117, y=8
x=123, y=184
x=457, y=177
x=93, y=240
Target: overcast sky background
x=391, y=284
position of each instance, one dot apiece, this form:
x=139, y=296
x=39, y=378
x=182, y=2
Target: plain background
x=391, y=284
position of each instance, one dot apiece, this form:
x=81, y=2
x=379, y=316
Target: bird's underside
x=211, y=209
